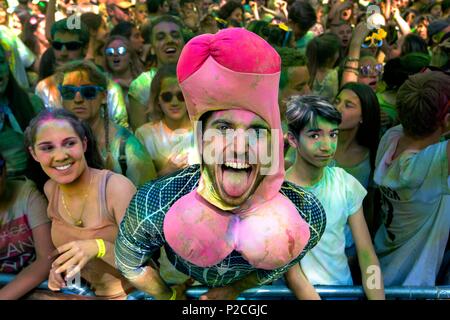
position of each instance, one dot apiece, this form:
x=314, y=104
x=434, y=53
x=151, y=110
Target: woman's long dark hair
x=368, y=134
x=320, y=51
x=82, y=129
x=47, y=64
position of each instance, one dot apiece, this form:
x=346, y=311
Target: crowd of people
x=104, y=109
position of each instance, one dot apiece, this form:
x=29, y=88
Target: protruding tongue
x=235, y=182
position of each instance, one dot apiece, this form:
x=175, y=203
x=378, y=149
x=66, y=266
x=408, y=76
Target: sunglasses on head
x=121, y=51
x=371, y=43
x=168, y=96
x=87, y=92
x=126, y=11
x=70, y=45
x=369, y=70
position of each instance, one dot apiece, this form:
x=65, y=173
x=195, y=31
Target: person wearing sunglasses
x=168, y=137
x=69, y=45
x=83, y=91
x=370, y=71
x=352, y=60
x=122, y=62
x=118, y=10
x=24, y=221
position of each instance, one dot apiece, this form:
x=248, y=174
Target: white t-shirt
x=140, y=87
x=341, y=195
x=416, y=211
x=163, y=143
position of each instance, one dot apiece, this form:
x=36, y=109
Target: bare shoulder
x=119, y=192
x=119, y=186
x=120, y=183
x=49, y=188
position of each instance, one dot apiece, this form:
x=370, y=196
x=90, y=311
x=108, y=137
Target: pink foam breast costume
x=235, y=69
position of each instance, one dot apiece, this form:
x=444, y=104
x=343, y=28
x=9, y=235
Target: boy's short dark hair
x=161, y=19
x=64, y=26
x=302, y=110
x=423, y=102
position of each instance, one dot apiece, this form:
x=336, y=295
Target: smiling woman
x=169, y=136
x=86, y=204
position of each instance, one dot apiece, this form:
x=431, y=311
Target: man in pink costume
x=230, y=223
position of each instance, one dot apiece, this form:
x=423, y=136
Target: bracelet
x=174, y=294
x=351, y=68
x=101, y=248
x=350, y=59
x=354, y=72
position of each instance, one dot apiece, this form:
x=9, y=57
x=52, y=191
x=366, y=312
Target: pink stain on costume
x=268, y=238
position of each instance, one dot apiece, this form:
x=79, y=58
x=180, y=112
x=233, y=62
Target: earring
x=360, y=121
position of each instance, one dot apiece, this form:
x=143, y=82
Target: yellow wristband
x=174, y=294
x=101, y=248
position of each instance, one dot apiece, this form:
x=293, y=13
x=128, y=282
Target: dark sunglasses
x=71, y=45
x=168, y=96
x=368, y=70
x=87, y=92
x=121, y=51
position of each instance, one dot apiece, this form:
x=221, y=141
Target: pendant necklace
x=78, y=222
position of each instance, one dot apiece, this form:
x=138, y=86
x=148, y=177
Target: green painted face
x=317, y=142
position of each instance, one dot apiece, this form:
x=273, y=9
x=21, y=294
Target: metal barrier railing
x=326, y=292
